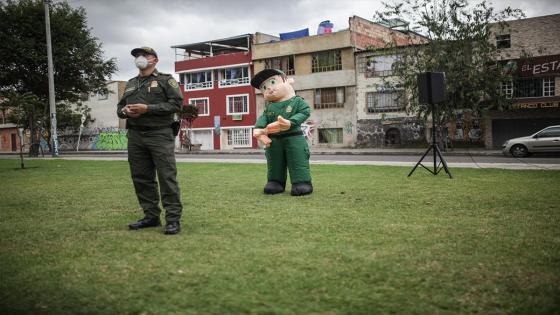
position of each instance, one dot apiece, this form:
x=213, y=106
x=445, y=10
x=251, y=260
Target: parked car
x=546, y=140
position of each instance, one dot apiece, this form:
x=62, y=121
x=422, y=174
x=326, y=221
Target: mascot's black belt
x=285, y=135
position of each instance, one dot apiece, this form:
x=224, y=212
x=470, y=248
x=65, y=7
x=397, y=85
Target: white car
x=546, y=140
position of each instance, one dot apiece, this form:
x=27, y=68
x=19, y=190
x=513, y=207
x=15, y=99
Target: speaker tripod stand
x=438, y=166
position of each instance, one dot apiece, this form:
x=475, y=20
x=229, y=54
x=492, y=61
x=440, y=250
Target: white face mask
x=141, y=62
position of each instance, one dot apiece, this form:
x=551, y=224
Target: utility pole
x=52, y=106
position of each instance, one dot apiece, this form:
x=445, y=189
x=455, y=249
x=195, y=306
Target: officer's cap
x=147, y=50
x=263, y=75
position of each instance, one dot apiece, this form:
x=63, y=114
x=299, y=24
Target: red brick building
x=9, y=140
x=215, y=76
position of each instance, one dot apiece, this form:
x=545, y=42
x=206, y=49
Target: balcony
x=233, y=82
x=199, y=86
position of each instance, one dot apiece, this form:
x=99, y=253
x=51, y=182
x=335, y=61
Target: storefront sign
x=545, y=65
x=536, y=105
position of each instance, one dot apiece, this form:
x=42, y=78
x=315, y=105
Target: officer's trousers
x=288, y=153
x=150, y=153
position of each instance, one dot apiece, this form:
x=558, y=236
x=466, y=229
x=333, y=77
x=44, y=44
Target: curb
x=313, y=152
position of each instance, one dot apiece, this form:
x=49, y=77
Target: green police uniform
x=151, y=143
x=288, y=148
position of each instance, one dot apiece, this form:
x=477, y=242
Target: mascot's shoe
x=272, y=188
x=172, y=228
x=144, y=223
x=301, y=189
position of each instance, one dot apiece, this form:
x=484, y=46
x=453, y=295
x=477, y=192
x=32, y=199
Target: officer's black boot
x=172, y=228
x=272, y=188
x=301, y=189
x=144, y=223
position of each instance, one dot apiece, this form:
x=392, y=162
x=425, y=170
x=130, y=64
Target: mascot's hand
x=262, y=137
x=265, y=140
x=281, y=124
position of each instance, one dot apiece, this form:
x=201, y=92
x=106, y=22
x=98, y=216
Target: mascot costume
x=279, y=130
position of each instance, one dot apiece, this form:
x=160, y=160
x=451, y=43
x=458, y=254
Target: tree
x=461, y=45
x=188, y=114
x=79, y=67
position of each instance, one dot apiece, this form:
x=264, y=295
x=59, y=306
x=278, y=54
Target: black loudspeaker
x=431, y=87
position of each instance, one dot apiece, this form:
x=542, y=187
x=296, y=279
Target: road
x=544, y=162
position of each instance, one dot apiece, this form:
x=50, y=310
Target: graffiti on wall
x=465, y=128
x=110, y=140
x=93, y=139
x=396, y=131
x=307, y=128
x=414, y=129
x=348, y=127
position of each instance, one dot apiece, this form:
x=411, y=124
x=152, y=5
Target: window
x=548, y=86
x=330, y=135
x=379, y=66
x=239, y=137
x=503, y=41
x=196, y=80
x=329, y=98
x=286, y=64
x=202, y=105
x=534, y=87
x=238, y=104
x=550, y=133
x=384, y=101
x=234, y=76
x=507, y=89
x=326, y=61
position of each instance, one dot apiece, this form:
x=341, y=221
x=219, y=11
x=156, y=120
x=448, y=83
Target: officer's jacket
x=295, y=110
x=160, y=92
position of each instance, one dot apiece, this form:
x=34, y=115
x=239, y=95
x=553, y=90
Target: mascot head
x=274, y=84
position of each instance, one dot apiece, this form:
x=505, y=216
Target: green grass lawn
x=369, y=240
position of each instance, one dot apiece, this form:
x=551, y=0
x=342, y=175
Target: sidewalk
x=314, y=151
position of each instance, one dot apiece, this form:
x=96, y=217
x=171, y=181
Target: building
x=9, y=139
x=382, y=119
x=106, y=131
x=530, y=49
x=324, y=70
x=215, y=77
x=104, y=106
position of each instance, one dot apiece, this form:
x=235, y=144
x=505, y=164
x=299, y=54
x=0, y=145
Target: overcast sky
x=122, y=25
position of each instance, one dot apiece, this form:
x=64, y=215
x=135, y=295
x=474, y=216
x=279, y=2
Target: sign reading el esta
x=545, y=65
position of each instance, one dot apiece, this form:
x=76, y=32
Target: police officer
x=149, y=103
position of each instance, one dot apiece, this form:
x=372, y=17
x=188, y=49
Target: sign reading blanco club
x=536, y=105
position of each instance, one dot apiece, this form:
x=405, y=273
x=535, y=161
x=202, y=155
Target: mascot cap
x=263, y=75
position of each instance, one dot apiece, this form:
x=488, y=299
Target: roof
x=240, y=43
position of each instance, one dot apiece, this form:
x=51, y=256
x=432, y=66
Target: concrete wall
x=538, y=36
x=104, y=111
x=303, y=62
x=372, y=128
x=303, y=45
x=325, y=80
x=259, y=38
x=366, y=33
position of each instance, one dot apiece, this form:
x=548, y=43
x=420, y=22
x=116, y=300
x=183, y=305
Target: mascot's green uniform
x=279, y=130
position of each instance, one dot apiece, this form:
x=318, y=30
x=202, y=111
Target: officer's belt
x=146, y=128
x=285, y=135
